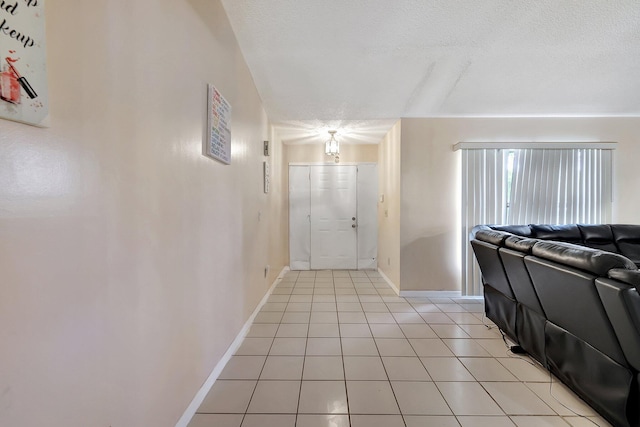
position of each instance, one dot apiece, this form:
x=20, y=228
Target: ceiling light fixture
x=332, y=146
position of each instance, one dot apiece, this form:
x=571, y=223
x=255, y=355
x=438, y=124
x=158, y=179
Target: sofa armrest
x=631, y=277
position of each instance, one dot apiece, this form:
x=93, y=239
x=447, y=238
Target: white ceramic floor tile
x=437, y=318
x=293, y=317
x=426, y=308
x=288, y=347
x=243, y=368
x=380, y=318
x=324, y=330
x=446, y=369
x=430, y=347
x=282, y=368
x=275, y=397
x=323, y=347
x=487, y=369
x=268, y=317
x=449, y=331
x=400, y=307
x=586, y=421
x=359, y=347
x=560, y=395
x=323, y=397
x=348, y=299
x=374, y=307
x=394, y=347
x=517, y=399
x=292, y=330
x=351, y=317
x=228, y=397
x=417, y=331
x=371, y=397
x=466, y=348
x=408, y=318
x=269, y=420
x=324, y=317
x=451, y=308
x=324, y=298
x=364, y=368
x=254, y=347
x=405, y=369
x=323, y=306
x=349, y=306
x=323, y=368
x=468, y=398
x=322, y=313
x=263, y=330
x=216, y=420
x=377, y=421
x=480, y=331
x=274, y=306
x=495, y=347
x=327, y=420
x=386, y=330
x=524, y=369
x=419, y=398
x=539, y=421
x=355, y=330
x=298, y=307
x=486, y=421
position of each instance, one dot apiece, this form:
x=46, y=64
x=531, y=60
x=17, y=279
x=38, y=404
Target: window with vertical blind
x=515, y=184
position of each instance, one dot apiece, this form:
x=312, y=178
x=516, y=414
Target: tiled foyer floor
x=340, y=349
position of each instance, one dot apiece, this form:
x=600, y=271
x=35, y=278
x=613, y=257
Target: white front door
x=334, y=243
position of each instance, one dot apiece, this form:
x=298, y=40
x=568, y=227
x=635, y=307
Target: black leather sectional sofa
x=569, y=296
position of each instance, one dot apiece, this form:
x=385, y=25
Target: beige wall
x=389, y=209
x=128, y=261
x=430, y=207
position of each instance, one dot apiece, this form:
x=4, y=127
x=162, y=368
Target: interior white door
x=333, y=217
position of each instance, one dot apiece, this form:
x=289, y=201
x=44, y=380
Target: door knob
x=353, y=218
x=353, y=226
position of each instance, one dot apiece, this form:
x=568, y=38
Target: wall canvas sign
x=23, y=74
x=218, y=127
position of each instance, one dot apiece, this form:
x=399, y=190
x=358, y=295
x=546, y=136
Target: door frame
x=299, y=217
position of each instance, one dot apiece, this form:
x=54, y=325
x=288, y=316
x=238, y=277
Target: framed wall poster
x=23, y=73
x=218, y=126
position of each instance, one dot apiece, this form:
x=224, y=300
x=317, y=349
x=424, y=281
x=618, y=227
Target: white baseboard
x=389, y=282
x=185, y=419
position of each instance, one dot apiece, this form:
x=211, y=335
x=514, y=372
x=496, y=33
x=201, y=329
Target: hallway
x=340, y=349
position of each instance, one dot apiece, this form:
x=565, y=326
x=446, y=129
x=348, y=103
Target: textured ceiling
x=332, y=63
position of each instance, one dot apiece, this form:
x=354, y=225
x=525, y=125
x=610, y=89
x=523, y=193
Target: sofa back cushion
x=598, y=236
x=627, y=238
x=580, y=257
x=520, y=230
x=560, y=233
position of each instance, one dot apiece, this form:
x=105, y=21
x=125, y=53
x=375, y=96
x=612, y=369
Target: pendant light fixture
x=332, y=146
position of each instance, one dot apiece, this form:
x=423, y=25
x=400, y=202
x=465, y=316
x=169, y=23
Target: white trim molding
x=389, y=282
x=189, y=413
x=533, y=144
